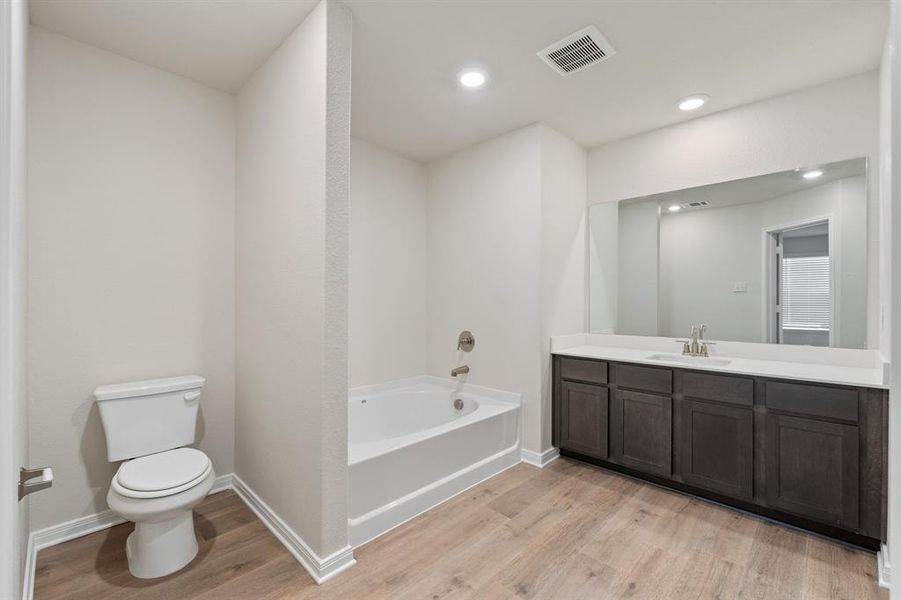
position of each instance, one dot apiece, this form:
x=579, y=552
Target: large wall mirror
x=780, y=258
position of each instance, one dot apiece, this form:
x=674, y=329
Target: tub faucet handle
x=466, y=341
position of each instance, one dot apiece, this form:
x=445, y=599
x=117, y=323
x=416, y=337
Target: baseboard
x=31, y=556
x=884, y=568
x=320, y=569
x=222, y=483
x=76, y=528
x=540, y=459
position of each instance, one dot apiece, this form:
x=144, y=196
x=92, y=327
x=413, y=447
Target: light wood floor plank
x=569, y=531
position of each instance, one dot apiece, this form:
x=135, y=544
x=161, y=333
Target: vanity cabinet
x=584, y=413
x=812, y=468
x=718, y=447
x=641, y=428
x=809, y=454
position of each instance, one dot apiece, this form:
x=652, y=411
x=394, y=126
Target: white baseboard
x=540, y=459
x=31, y=556
x=76, y=528
x=320, y=569
x=884, y=568
x=222, y=483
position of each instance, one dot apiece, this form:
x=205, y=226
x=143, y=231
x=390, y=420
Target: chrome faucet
x=697, y=345
x=459, y=371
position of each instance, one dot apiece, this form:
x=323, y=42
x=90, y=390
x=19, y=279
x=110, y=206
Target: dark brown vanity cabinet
x=812, y=469
x=809, y=454
x=641, y=428
x=718, y=448
x=583, y=418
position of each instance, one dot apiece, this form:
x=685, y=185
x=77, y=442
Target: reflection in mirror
x=780, y=258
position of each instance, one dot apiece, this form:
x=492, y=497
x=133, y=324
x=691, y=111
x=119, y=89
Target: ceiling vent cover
x=696, y=204
x=577, y=51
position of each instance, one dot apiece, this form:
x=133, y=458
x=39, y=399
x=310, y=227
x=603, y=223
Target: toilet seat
x=162, y=474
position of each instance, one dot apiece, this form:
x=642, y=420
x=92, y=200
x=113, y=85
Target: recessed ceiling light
x=693, y=102
x=812, y=174
x=472, y=78
x=674, y=208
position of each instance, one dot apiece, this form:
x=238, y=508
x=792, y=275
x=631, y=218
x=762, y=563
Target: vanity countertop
x=855, y=372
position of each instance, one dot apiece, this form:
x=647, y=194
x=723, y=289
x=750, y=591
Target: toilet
x=148, y=425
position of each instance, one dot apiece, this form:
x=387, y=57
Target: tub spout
x=460, y=371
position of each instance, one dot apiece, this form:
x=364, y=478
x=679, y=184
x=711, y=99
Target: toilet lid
x=163, y=471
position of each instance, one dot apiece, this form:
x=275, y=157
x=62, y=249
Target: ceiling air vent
x=696, y=204
x=577, y=51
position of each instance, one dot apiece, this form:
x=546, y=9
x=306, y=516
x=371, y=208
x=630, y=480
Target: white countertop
x=863, y=368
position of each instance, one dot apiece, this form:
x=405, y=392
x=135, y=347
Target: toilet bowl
x=169, y=485
x=148, y=425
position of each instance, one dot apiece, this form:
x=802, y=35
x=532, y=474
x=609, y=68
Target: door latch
x=33, y=480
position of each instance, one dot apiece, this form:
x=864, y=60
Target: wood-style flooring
x=569, y=531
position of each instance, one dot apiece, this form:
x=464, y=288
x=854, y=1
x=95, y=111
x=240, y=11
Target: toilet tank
x=146, y=417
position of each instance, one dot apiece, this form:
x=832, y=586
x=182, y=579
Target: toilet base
x=155, y=549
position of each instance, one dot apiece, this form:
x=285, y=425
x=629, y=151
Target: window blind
x=806, y=302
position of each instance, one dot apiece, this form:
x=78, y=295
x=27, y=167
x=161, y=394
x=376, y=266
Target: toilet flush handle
x=190, y=396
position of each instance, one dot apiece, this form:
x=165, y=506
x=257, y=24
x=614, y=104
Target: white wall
x=387, y=282
x=13, y=402
x=506, y=261
x=704, y=252
x=293, y=124
x=563, y=222
x=832, y=122
x=484, y=264
x=131, y=246
x=637, y=284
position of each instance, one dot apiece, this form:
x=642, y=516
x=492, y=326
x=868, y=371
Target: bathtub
x=409, y=449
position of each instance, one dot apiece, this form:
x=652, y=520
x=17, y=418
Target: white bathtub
x=410, y=449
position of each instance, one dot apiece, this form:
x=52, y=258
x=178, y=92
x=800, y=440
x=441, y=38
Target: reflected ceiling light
x=472, y=78
x=693, y=102
x=674, y=208
x=812, y=174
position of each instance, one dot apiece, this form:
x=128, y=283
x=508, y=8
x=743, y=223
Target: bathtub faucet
x=459, y=371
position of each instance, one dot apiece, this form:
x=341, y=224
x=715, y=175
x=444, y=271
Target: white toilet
x=147, y=425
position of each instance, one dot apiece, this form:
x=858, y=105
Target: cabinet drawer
x=813, y=400
x=721, y=388
x=577, y=369
x=650, y=379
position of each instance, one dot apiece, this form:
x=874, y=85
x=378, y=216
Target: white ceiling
x=407, y=55
x=217, y=42
x=756, y=189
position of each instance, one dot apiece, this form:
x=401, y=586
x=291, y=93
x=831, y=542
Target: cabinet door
x=583, y=418
x=718, y=447
x=643, y=428
x=812, y=469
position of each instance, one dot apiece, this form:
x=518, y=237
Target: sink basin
x=691, y=360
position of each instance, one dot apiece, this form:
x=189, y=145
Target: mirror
x=779, y=258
